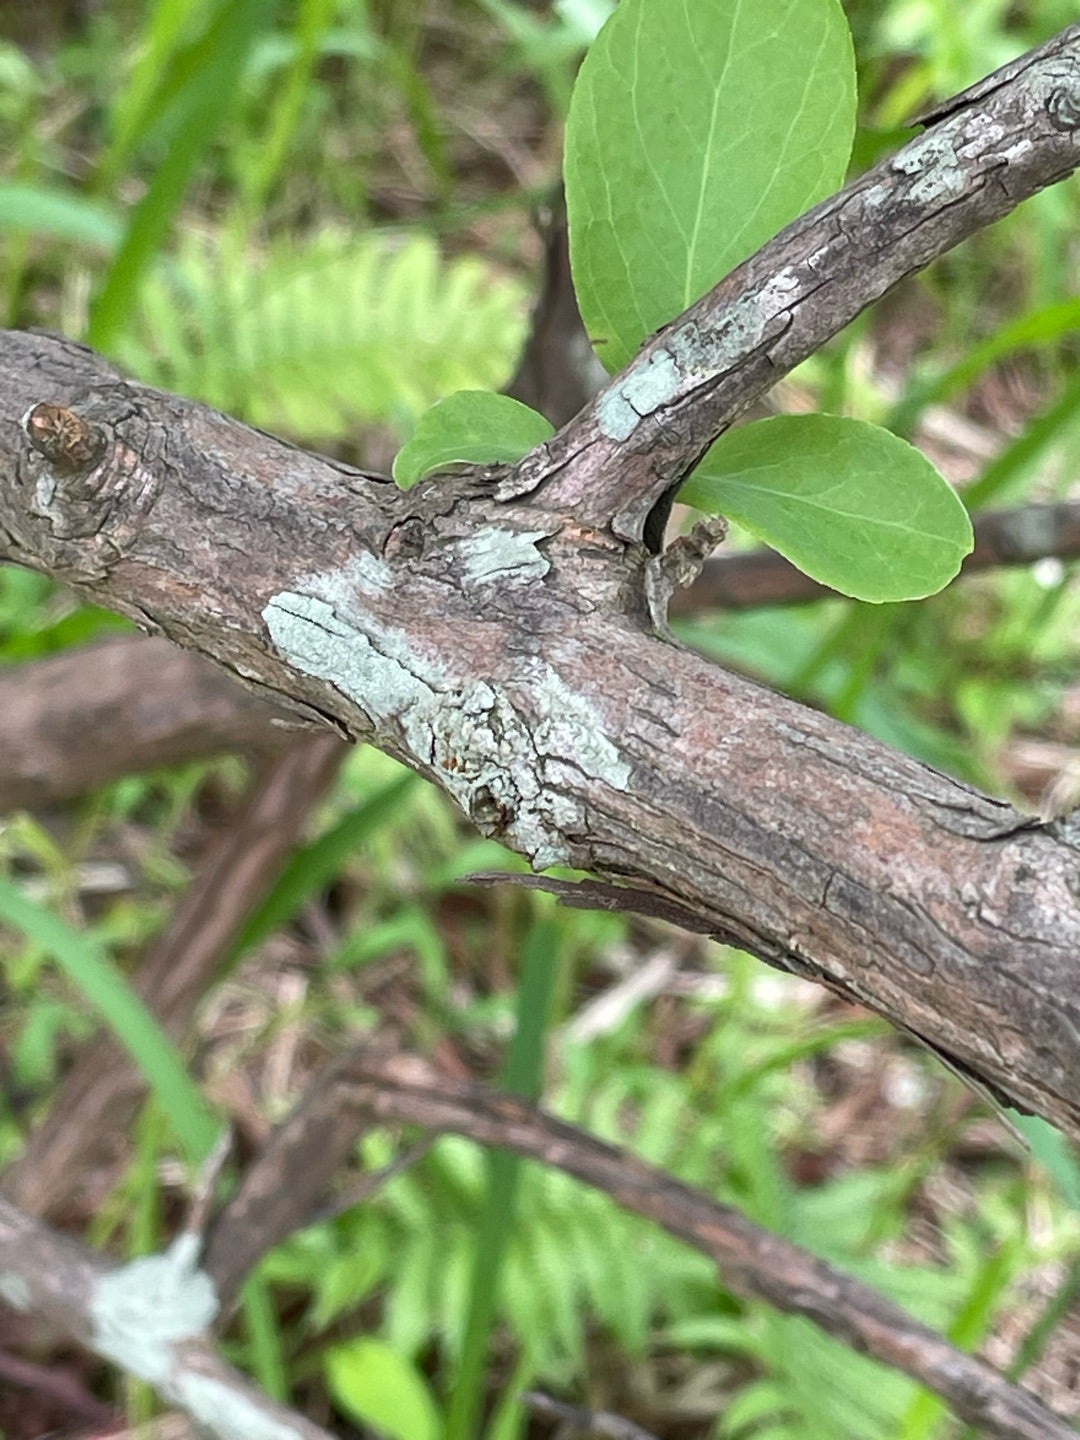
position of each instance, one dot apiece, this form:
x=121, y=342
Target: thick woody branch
x=366, y=1090
x=83, y=718
x=512, y=648
x=150, y=1318
x=508, y=654
x=983, y=153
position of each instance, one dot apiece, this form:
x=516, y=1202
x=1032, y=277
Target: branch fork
x=492, y=628
x=502, y=632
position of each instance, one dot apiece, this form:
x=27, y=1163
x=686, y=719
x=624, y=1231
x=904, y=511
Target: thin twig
x=96, y=1100
x=367, y=1089
x=149, y=1317
x=586, y=1422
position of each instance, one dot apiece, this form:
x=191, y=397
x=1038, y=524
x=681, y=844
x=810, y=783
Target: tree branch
x=149, y=1317
x=366, y=1089
x=513, y=650
x=985, y=151
x=78, y=720
x=83, y=718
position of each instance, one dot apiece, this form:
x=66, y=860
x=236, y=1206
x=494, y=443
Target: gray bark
x=149, y=1317
x=502, y=631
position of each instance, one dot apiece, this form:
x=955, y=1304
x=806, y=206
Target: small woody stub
x=65, y=439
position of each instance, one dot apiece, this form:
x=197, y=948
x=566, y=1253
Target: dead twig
x=369, y=1088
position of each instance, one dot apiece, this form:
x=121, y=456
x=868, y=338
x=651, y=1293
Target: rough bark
x=149, y=1317
x=503, y=630
x=78, y=720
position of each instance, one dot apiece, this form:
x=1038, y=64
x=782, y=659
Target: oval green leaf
x=696, y=132
x=374, y=1385
x=471, y=426
x=850, y=504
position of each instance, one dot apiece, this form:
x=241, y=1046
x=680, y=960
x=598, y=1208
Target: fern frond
x=316, y=340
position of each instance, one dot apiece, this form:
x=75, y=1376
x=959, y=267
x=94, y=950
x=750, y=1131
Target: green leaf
x=523, y=1075
x=374, y=1385
x=695, y=133
x=847, y=502
x=1054, y=1154
x=471, y=425
x=315, y=866
x=85, y=963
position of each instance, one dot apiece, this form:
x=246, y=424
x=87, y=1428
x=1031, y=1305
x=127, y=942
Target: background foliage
x=317, y=215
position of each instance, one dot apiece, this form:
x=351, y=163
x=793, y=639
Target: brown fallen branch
x=1018, y=536
x=366, y=1089
x=502, y=630
x=151, y=1318
x=78, y=720
x=585, y=1422
x=89, y=1117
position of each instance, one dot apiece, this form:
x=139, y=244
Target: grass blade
x=211, y=91
x=85, y=963
x=523, y=1075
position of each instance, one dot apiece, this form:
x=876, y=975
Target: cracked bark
x=502, y=630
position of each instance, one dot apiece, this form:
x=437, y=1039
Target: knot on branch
x=1063, y=107
x=70, y=445
x=82, y=484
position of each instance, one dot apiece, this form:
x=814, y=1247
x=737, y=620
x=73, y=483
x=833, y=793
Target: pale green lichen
x=494, y=554
x=14, y=1291
x=933, y=159
x=690, y=357
x=224, y=1411
x=648, y=385
x=571, y=731
x=142, y=1310
x=370, y=573
x=615, y=416
x=653, y=384
x=318, y=641
x=514, y=772
x=511, y=767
